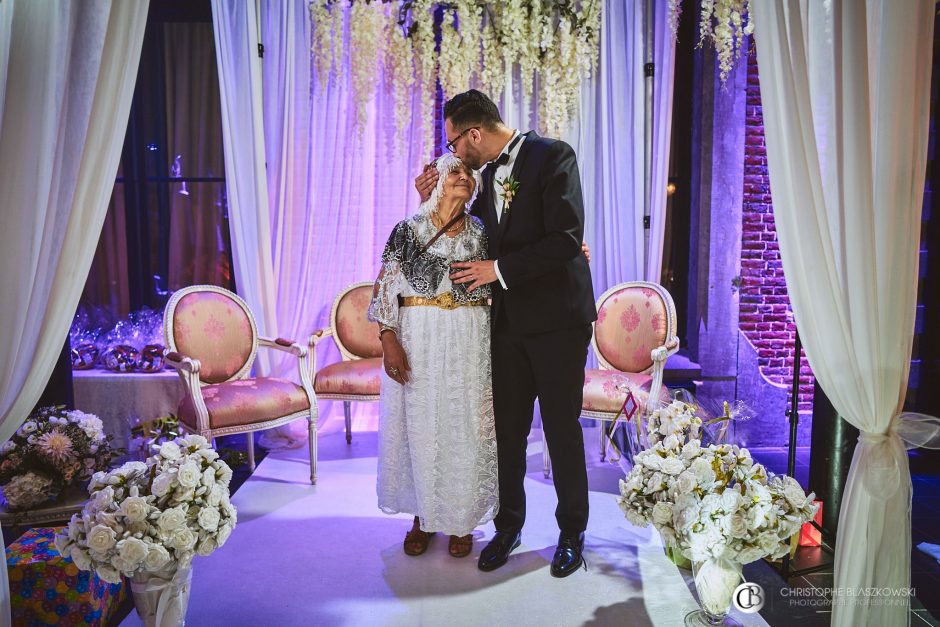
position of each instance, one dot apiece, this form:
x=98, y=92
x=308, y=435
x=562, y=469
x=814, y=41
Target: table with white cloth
x=123, y=399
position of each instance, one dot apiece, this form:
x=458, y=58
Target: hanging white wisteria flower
x=723, y=23
x=474, y=43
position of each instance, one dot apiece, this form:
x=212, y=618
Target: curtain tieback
x=886, y=450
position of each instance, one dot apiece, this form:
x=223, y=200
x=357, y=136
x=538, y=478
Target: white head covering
x=446, y=164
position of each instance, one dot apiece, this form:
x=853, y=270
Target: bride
x=437, y=443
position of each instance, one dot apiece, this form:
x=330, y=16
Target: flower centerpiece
x=148, y=520
x=52, y=450
x=713, y=503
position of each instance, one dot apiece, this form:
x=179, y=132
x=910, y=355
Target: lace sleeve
x=384, y=306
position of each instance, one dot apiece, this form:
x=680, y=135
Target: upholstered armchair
x=357, y=376
x=212, y=341
x=634, y=335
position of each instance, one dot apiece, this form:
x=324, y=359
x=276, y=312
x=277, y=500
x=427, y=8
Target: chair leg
x=600, y=423
x=251, y=451
x=347, y=411
x=312, y=440
x=546, y=460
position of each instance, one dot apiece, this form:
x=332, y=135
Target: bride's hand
x=394, y=359
x=426, y=181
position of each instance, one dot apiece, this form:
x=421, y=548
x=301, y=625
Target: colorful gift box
x=48, y=589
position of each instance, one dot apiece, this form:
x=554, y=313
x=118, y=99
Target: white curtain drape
x=68, y=71
x=845, y=89
x=235, y=23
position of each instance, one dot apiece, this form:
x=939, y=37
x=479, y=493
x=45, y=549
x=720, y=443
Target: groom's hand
x=477, y=273
x=426, y=181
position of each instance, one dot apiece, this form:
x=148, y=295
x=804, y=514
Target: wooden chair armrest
x=287, y=346
x=318, y=336
x=661, y=353
x=181, y=362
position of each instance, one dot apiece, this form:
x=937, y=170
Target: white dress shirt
x=503, y=171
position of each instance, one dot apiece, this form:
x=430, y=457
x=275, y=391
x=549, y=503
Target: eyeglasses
x=451, y=145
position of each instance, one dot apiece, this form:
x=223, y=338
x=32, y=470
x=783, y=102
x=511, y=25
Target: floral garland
x=723, y=23
x=555, y=41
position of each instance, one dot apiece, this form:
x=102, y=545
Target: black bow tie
x=503, y=158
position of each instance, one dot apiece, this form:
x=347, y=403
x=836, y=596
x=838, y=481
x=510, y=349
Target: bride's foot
x=460, y=546
x=416, y=540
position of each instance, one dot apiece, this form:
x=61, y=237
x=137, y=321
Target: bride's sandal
x=416, y=540
x=460, y=546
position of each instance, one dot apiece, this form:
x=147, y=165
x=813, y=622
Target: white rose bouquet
x=710, y=502
x=52, y=450
x=153, y=516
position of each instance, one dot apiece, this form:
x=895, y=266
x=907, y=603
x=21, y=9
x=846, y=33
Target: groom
x=543, y=307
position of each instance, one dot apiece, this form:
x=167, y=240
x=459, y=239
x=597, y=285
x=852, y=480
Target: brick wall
x=765, y=315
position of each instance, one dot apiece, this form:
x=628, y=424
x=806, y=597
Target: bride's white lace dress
x=437, y=442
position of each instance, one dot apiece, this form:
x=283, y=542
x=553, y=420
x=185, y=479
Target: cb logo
x=749, y=598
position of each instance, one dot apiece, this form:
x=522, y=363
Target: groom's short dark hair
x=472, y=108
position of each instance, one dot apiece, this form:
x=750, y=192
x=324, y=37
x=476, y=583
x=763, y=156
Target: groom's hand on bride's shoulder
x=426, y=181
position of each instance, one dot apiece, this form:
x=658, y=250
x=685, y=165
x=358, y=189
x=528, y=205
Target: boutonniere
x=508, y=188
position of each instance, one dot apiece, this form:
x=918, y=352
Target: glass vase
x=715, y=583
x=161, y=597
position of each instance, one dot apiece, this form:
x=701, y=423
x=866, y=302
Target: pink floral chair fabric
x=357, y=376
x=212, y=340
x=634, y=335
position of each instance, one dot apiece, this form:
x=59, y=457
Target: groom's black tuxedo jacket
x=538, y=243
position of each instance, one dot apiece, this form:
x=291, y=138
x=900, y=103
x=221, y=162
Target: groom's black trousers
x=549, y=366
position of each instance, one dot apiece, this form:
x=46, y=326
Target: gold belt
x=444, y=301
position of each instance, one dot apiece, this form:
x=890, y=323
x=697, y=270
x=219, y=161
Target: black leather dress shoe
x=568, y=556
x=497, y=551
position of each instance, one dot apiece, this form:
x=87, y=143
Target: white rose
x=101, y=538
x=208, y=454
x=133, y=550
x=662, y=513
x=157, y=557
x=172, y=519
x=122, y=565
x=215, y=496
x=229, y=510
x=768, y=542
x=224, y=532
x=209, y=518
x=182, y=539
x=193, y=442
x=793, y=492
x=703, y=471
x=135, y=508
x=80, y=558
x=224, y=473
x=738, y=525
x=170, y=450
x=161, y=484
x=207, y=546
x=730, y=500
x=655, y=482
x=691, y=449
x=188, y=475
x=711, y=503
x=208, y=477
x=636, y=518
x=686, y=482
x=652, y=461
x=108, y=573
x=671, y=442
x=672, y=466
